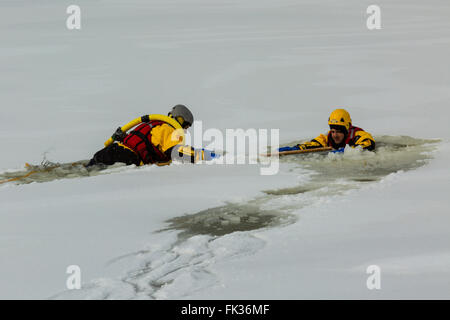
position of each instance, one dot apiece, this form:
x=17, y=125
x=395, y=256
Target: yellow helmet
x=340, y=117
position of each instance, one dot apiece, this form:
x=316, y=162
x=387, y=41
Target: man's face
x=337, y=136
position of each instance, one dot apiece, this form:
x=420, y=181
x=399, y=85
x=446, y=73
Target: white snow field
x=226, y=231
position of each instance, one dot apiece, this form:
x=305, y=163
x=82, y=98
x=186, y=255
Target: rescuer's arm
x=365, y=140
x=190, y=154
x=167, y=139
x=319, y=142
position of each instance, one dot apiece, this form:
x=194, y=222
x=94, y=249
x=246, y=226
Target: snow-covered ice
x=167, y=232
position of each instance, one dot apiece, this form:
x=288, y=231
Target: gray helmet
x=181, y=111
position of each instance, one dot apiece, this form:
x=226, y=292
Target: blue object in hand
x=340, y=150
x=209, y=154
x=288, y=148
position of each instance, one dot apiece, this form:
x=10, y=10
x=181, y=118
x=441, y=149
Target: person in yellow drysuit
x=341, y=134
x=153, y=141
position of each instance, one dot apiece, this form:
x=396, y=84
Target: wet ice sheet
x=393, y=153
x=331, y=174
x=49, y=171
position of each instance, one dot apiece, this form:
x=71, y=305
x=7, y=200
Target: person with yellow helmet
x=152, y=142
x=341, y=134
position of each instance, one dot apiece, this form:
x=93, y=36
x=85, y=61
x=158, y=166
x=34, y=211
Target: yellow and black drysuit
x=151, y=142
x=354, y=136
